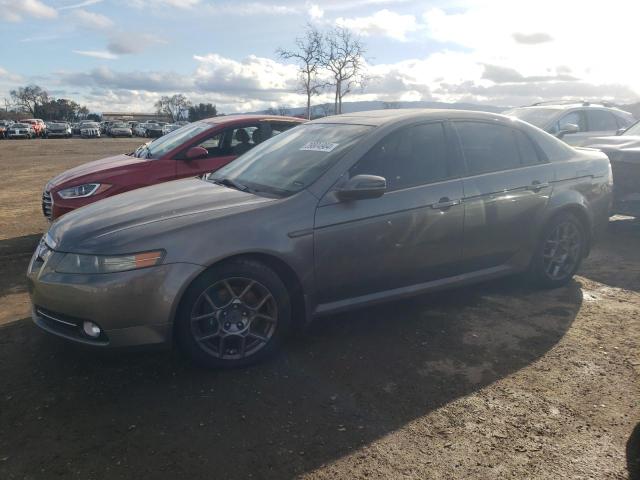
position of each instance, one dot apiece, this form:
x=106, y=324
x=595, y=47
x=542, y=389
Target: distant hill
x=350, y=107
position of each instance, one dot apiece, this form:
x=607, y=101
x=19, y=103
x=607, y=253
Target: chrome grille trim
x=55, y=319
x=47, y=204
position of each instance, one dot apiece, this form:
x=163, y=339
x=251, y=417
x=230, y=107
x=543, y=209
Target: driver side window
x=214, y=145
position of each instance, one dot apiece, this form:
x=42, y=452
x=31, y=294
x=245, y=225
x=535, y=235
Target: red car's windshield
x=166, y=143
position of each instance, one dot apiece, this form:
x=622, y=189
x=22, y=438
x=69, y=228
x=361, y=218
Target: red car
x=38, y=125
x=195, y=149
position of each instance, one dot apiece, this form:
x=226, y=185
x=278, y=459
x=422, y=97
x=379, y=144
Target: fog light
x=91, y=329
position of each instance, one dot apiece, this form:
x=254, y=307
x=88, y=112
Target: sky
x=122, y=55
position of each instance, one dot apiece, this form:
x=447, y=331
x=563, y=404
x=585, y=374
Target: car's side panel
x=399, y=239
x=501, y=212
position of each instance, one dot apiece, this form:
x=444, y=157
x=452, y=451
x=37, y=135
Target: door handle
x=536, y=186
x=444, y=203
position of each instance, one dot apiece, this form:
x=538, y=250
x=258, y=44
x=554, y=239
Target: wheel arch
x=287, y=274
x=581, y=212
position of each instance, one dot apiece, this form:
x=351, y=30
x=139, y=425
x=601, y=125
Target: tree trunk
x=308, y=105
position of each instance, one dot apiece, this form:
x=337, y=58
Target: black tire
x=206, y=353
x=547, y=269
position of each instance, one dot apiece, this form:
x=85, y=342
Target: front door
x=410, y=235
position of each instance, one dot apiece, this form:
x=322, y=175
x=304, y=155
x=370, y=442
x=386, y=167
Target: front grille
x=47, y=204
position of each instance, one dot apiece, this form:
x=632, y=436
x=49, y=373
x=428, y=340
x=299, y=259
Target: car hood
x=113, y=224
x=94, y=167
x=618, y=142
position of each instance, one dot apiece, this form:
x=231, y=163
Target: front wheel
x=234, y=315
x=560, y=251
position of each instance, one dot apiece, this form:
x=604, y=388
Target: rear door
x=412, y=234
x=507, y=186
x=601, y=123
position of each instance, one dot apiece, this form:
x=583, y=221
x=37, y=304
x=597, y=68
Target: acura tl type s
x=334, y=214
x=195, y=149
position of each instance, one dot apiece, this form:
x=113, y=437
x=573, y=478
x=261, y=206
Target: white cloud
x=86, y=3
x=315, y=12
x=96, y=54
x=383, y=22
x=525, y=37
x=91, y=20
x=15, y=11
x=129, y=43
x=150, y=4
x=7, y=76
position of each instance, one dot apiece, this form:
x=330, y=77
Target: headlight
x=82, y=191
x=76, y=263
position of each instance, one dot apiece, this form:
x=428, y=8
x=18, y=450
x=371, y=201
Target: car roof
x=381, y=117
x=223, y=119
x=576, y=105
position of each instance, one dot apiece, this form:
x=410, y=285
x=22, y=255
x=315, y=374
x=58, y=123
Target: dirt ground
x=492, y=381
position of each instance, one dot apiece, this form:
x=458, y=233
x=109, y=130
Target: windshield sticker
x=319, y=147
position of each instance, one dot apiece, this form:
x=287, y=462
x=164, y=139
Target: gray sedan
x=332, y=215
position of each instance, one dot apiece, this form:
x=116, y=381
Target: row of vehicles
x=36, y=128
x=27, y=128
x=297, y=220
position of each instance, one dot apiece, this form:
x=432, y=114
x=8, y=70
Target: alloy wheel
x=562, y=250
x=234, y=318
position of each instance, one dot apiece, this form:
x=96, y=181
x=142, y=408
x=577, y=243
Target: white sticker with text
x=319, y=147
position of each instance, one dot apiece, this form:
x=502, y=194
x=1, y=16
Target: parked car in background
x=21, y=130
x=153, y=130
x=58, y=129
x=140, y=130
x=90, y=130
x=624, y=154
x=38, y=126
x=4, y=127
x=336, y=214
x=170, y=127
x=120, y=130
x=196, y=149
x=574, y=122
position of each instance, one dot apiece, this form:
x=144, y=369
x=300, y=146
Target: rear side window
x=487, y=147
x=408, y=157
x=528, y=153
x=599, y=121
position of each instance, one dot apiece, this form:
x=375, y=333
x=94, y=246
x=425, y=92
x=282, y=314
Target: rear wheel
x=560, y=251
x=233, y=315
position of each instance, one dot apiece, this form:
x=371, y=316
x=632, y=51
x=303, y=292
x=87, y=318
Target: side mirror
x=196, y=152
x=620, y=131
x=569, y=128
x=361, y=187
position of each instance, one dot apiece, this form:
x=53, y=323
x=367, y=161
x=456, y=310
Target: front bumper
x=132, y=308
x=58, y=134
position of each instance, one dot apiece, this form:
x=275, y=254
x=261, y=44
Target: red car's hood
x=97, y=166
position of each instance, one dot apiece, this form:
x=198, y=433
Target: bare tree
x=308, y=55
x=175, y=107
x=29, y=98
x=343, y=56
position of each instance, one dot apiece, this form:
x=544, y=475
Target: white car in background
x=574, y=122
x=90, y=130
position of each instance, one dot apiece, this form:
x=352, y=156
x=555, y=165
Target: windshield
x=633, y=129
x=168, y=142
x=539, y=117
x=293, y=160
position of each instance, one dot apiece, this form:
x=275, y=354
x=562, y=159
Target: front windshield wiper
x=227, y=182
